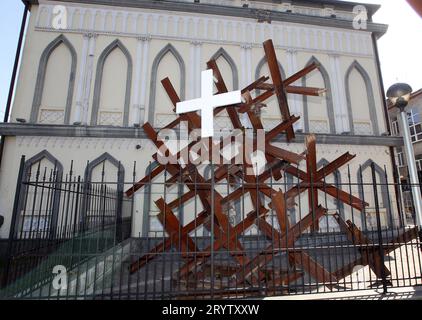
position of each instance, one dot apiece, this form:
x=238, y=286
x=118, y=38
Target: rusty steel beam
x=279, y=86
x=283, y=241
x=222, y=88
x=305, y=71
x=373, y=259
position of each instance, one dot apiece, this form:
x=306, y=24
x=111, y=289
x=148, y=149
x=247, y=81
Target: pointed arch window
x=110, y=107
x=316, y=120
x=39, y=212
x=222, y=53
x=55, y=83
x=229, y=72
x=271, y=114
x=156, y=116
x=102, y=174
x=366, y=192
x=361, y=105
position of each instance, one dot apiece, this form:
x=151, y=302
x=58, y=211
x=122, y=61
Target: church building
x=90, y=78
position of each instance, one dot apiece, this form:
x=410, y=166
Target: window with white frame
x=415, y=125
x=419, y=162
x=400, y=158
x=395, y=131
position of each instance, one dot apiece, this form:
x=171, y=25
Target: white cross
x=208, y=102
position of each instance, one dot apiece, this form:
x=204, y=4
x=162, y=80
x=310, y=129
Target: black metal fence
x=60, y=221
x=76, y=238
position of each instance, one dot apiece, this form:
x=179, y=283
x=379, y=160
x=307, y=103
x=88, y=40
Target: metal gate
x=75, y=238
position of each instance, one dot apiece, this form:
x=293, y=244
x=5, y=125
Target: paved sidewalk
x=407, y=293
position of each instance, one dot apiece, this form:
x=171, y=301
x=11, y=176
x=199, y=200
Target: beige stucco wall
x=230, y=33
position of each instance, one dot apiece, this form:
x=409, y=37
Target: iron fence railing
x=84, y=238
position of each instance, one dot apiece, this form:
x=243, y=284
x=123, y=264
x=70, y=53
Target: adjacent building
x=414, y=111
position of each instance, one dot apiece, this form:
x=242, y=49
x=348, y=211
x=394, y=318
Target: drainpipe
x=387, y=120
x=14, y=73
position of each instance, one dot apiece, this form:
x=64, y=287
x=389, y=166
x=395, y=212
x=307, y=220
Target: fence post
x=399, y=199
x=119, y=207
x=15, y=214
x=212, y=273
x=380, y=240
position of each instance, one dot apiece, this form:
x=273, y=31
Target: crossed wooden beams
x=214, y=217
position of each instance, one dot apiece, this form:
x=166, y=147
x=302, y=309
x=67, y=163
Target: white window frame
x=416, y=137
x=395, y=129
x=419, y=164
x=400, y=159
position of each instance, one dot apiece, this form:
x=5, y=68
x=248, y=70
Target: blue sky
x=402, y=42
x=10, y=20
